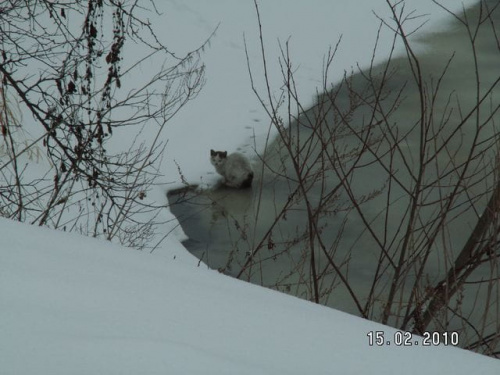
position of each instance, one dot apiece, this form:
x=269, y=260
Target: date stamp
x=405, y=338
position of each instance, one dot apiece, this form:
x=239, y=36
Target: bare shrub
x=417, y=190
x=74, y=70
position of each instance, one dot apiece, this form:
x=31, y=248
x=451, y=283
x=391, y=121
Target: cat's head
x=217, y=158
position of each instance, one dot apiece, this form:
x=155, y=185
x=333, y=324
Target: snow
x=76, y=305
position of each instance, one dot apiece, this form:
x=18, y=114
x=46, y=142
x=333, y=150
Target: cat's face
x=217, y=158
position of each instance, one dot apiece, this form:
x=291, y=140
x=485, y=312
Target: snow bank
x=76, y=305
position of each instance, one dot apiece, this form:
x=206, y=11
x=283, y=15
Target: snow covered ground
x=74, y=305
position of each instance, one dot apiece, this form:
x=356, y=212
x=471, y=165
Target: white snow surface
x=76, y=305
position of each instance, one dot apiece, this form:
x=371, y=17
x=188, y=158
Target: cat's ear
x=212, y=153
x=224, y=154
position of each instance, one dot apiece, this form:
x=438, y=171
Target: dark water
x=244, y=233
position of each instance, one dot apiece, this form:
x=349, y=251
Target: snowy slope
x=75, y=305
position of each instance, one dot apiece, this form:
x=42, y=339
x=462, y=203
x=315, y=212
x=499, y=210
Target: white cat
x=235, y=168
